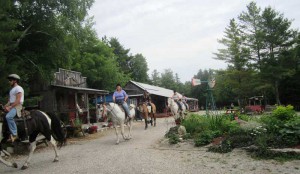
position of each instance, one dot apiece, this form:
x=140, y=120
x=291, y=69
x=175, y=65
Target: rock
x=181, y=131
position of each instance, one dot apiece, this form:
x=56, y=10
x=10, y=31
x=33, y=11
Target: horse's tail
x=57, y=130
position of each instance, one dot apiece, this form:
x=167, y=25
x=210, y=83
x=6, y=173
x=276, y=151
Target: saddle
x=25, y=116
x=121, y=107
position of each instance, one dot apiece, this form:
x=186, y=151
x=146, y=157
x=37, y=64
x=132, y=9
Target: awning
x=80, y=89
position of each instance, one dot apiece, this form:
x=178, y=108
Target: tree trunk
x=277, y=93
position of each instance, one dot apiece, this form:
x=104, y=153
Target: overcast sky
x=177, y=34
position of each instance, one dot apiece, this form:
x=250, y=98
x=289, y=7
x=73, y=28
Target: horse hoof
x=55, y=160
x=15, y=165
x=24, y=167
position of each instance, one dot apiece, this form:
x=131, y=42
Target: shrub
x=195, y=124
x=224, y=147
x=206, y=137
x=172, y=130
x=173, y=138
x=284, y=113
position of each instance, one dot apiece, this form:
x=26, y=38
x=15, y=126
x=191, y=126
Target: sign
x=196, y=82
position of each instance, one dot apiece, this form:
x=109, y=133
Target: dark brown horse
x=145, y=112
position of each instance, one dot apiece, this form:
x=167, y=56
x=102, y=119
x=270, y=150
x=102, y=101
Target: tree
x=251, y=27
x=168, y=79
x=155, y=78
x=139, y=68
x=121, y=55
x=278, y=39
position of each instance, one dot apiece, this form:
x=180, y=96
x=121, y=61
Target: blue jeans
x=11, y=122
x=125, y=106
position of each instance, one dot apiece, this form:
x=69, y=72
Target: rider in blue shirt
x=120, y=97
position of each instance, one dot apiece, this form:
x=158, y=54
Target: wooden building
x=69, y=96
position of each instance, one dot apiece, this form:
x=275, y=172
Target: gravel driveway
x=147, y=152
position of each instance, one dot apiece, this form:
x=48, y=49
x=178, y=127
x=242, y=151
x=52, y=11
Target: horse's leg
x=130, y=128
x=122, y=131
x=32, y=148
x=53, y=142
x=7, y=163
x=146, y=121
x=154, y=116
x=116, y=129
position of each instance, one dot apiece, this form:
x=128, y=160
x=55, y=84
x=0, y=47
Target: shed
x=69, y=96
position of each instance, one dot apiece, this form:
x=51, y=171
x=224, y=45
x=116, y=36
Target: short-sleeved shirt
x=175, y=96
x=120, y=96
x=13, y=94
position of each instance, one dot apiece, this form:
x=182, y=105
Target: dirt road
x=145, y=153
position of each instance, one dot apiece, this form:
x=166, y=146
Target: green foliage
x=195, y=123
x=205, y=137
x=173, y=138
x=172, y=134
x=283, y=113
x=224, y=147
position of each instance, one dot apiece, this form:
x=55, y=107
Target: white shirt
x=13, y=94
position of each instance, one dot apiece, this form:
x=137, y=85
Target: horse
x=177, y=114
x=148, y=111
x=118, y=118
x=38, y=122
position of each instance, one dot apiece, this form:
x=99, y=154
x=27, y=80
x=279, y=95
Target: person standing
x=120, y=97
x=14, y=104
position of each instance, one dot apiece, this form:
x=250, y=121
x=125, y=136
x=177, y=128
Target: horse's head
x=131, y=106
x=170, y=102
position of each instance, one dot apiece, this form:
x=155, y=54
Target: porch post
x=76, y=103
x=87, y=108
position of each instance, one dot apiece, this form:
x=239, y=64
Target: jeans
x=11, y=122
x=179, y=104
x=125, y=106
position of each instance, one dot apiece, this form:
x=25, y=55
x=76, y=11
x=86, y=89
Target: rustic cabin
x=69, y=96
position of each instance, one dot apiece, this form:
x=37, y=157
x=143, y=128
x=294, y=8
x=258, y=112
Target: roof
x=86, y=90
x=194, y=99
x=156, y=90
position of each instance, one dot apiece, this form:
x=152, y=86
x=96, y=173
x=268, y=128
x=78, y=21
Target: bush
x=195, y=124
x=224, y=147
x=172, y=130
x=284, y=113
x=206, y=137
x=173, y=138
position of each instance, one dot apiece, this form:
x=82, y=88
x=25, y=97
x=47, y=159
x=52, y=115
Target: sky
x=180, y=35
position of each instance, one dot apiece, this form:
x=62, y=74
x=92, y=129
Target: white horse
x=118, y=118
x=175, y=109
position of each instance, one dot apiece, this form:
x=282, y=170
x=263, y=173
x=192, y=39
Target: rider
x=146, y=98
x=176, y=98
x=14, y=105
x=183, y=100
x=120, y=97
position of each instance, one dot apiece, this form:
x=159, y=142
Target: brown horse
x=145, y=112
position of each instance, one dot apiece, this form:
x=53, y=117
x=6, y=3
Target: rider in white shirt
x=176, y=98
x=14, y=105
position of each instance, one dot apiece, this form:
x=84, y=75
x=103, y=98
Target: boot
x=12, y=138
